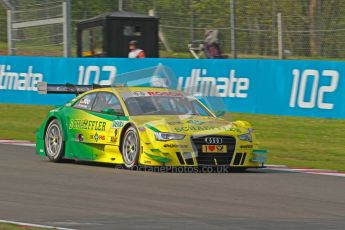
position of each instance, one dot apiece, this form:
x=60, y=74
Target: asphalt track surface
x=93, y=196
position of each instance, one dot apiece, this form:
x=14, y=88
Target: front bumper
x=188, y=153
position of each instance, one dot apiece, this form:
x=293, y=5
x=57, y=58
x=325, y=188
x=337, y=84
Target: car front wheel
x=130, y=148
x=53, y=141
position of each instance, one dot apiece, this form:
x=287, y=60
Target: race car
x=146, y=126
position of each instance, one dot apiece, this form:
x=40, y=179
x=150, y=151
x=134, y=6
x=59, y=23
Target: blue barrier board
x=281, y=87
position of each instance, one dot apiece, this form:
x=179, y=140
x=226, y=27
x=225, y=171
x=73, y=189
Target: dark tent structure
x=108, y=35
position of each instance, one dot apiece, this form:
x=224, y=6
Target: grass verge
x=292, y=141
x=300, y=141
x=21, y=121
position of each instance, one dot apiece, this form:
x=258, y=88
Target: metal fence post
x=66, y=11
x=233, y=28
x=280, y=36
x=120, y=5
x=192, y=19
x=274, y=26
x=154, y=5
x=10, y=41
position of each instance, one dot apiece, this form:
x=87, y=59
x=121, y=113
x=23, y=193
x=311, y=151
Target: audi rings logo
x=214, y=140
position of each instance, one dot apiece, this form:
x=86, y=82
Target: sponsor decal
x=220, y=147
x=133, y=94
x=211, y=147
x=79, y=137
x=203, y=128
x=85, y=101
x=246, y=146
x=113, y=139
x=174, y=122
x=316, y=95
x=169, y=94
x=139, y=94
x=195, y=122
x=54, y=110
x=117, y=124
x=27, y=81
x=87, y=125
x=94, y=137
x=214, y=148
x=97, y=137
x=102, y=75
x=175, y=146
x=199, y=84
x=149, y=94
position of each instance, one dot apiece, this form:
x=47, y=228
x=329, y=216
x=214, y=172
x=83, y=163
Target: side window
x=200, y=109
x=107, y=100
x=115, y=104
x=86, y=102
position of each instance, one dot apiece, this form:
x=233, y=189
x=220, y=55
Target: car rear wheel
x=130, y=148
x=53, y=141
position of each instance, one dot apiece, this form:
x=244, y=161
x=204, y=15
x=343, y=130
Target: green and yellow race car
x=143, y=126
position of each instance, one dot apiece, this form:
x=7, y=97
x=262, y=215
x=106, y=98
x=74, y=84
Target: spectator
x=134, y=52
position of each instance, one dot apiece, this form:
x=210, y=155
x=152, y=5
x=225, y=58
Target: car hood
x=189, y=124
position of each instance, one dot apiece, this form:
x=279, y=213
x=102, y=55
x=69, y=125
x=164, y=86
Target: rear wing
x=45, y=88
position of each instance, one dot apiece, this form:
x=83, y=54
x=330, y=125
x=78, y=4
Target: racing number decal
x=299, y=88
x=85, y=73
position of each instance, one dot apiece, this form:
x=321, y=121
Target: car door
x=107, y=109
x=81, y=124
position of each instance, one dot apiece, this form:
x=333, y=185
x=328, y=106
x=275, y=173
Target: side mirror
x=109, y=111
x=219, y=113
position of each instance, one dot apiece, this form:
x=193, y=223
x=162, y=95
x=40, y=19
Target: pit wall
x=295, y=88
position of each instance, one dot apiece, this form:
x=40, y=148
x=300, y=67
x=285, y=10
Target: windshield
x=164, y=105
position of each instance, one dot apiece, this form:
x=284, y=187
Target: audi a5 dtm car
x=143, y=126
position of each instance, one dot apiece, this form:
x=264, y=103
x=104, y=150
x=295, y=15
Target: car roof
x=123, y=89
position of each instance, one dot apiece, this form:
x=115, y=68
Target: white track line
x=33, y=225
x=15, y=142
x=305, y=170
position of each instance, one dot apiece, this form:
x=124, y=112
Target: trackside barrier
x=297, y=88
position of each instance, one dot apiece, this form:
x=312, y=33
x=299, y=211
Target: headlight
x=246, y=137
x=168, y=136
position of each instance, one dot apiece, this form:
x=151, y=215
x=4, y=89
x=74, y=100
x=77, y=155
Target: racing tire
x=130, y=148
x=53, y=142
